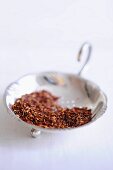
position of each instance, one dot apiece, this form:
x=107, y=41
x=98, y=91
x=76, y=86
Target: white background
x=45, y=35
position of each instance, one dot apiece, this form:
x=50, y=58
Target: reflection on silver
x=53, y=78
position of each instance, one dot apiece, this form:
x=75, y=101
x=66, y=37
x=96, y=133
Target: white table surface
x=45, y=35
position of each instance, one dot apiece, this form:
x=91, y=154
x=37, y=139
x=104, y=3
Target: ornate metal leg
x=35, y=133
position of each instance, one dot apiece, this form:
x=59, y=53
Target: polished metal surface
x=75, y=92
x=72, y=89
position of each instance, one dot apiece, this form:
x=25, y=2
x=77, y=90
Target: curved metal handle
x=86, y=50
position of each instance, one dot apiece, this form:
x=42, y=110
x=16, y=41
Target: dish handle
x=85, y=51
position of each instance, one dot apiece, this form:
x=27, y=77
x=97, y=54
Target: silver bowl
x=72, y=89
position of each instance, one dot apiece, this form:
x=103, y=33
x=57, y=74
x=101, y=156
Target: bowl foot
x=35, y=133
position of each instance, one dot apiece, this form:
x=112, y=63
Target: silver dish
x=72, y=89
